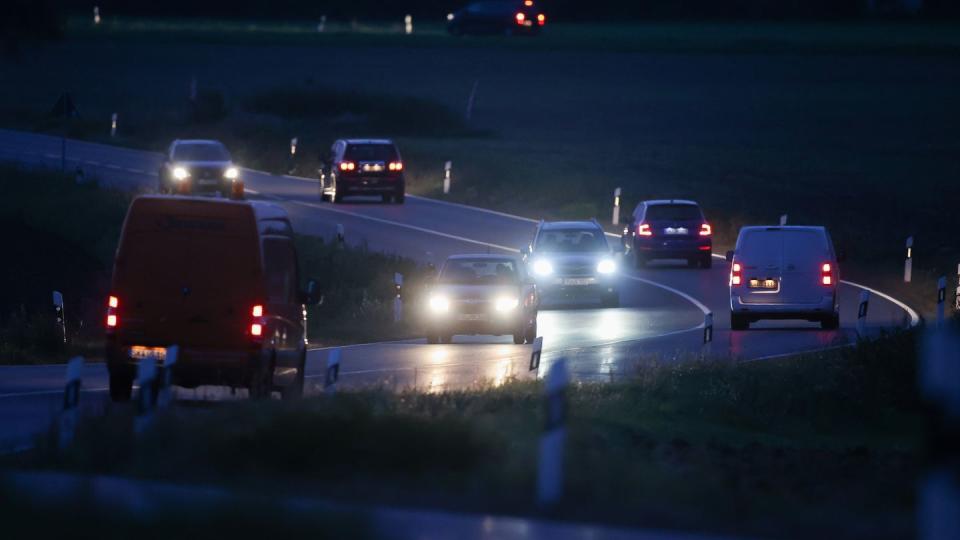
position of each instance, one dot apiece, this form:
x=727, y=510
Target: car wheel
x=830, y=322
x=707, y=261
x=433, y=339
x=519, y=336
x=294, y=390
x=337, y=197
x=739, y=322
x=446, y=338
x=399, y=198
x=386, y=199
x=531, y=334
x=121, y=387
x=261, y=381
x=693, y=263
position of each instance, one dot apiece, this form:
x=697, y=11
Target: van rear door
x=188, y=272
x=760, y=253
x=804, y=252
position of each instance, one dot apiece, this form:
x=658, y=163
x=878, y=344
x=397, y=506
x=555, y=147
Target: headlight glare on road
x=180, y=173
x=231, y=173
x=542, y=268
x=506, y=303
x=439, y=303
x=606, y=266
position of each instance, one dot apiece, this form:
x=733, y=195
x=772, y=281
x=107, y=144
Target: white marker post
x=323, y=24
x=550, y=466
x=535, y=353
x=58, y=308
x=96, y=15
x=616, y=206
x=941, y=300
x=164, y=397
x=908, y=264
x=707, y=334
x=291, y=158
x=71, y=402
x=783, y=220
x=340, y=235
x=333, y=371
x=398, y=300
x=446, y=177
x=113, y=125
x=146, y=377
x=862, y=313
x=408, y=24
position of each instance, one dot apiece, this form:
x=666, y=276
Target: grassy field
x=825, y=445
x=47, y=251
x=846, y=125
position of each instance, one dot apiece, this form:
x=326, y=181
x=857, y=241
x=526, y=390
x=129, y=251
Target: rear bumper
x=197, y=366
x=371, y=185
x=553, y=289
x=658, y=248
x=827, y=306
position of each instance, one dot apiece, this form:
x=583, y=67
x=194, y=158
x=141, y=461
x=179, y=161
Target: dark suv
x=199, y=166
x=363, y=167
x=518, y=17
x=669, y=229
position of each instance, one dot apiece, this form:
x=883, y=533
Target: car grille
x=471, y=305
x=206, y=173
x=576, y=270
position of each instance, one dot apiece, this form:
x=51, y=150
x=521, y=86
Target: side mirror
x=311, y=296
x=729, y=256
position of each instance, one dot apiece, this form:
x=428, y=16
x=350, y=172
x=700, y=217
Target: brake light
x=113, y=303
x=520, y=17
x=257, y=311
x=347, y=165
x=395, y=166
x=541, y=19
x=644, y=230
x=705, y=229
x=256, y=326
x=528, y=3
x=736, y=274
x=256, y=330
x=826, y=274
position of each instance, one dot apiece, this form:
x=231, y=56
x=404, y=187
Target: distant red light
x=541, y=19
x=520, y=17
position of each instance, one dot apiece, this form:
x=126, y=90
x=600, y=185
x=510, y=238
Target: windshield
x=371, y=152
x=479, y=272
x=673, y=212
x=200, y=152
x=572, y=241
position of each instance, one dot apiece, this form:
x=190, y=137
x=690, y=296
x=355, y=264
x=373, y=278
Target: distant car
x=363, y=167
x=220, y=280
x=497, y=17
x=199, y=166
x=482, y=294
x=783, y=273
x=572, y=260
x=670, y=229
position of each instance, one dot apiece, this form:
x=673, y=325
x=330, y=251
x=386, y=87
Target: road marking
x=47, y=392
x=135, y=171
x=678, y=292
x=93, y=163
x=404, y=225
x=112, y=166
x=253, y=192
x=914, y=316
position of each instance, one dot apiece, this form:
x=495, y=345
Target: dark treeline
x=564, y=10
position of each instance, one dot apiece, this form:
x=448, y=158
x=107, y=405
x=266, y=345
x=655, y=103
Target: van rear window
x=673, y=212
x=760, y=247
x=800, y=248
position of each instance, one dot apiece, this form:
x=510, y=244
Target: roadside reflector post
x=113, y=125
x=146, y=399
x=941, y=300
x=323, y=24
x=550, y=465
x=707, y=333
x=96, y=14
x=58, y=309
x=71, y=402
x=340, y=235
x=333, y=371
x=398, y=299
x=535, y=353
x=862, y=313
x=616, y=206
x=908, y=264
x=408, y=24
x=446, y=177
x=291, y=157
x=783, y=220
x=166, y=377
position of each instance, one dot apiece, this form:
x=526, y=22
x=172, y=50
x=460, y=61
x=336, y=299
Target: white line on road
x=914, y=316
x=48, y=392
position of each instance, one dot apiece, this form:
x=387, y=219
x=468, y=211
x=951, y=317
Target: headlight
x=231, y=173
x=505, y=303
x=542, y=268
x=606, y=266
x=439, y=304
x=180, y=173
x=450, y=16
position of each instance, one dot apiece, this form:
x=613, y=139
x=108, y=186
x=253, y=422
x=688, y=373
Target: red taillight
x=644, y=230
x=111, y=321
x=113, y=303
x=347, y=165
x=826, y=274
x=705, y=229
x=704, y=248
x=256, y=326
x=256, y=329
x=528, y=3
x=520, y=17
x=541, y=19
x=257, y=311
x=395, y=166
x=736, y=274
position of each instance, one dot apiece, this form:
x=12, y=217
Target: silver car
x=783, y=273
x=482, y=294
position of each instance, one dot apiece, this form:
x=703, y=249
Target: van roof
x=262, y=210
x=655, y=202
x=818, y=228
x=368, y=141
x=197, y=141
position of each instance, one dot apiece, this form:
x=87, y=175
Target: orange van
x=217, y=278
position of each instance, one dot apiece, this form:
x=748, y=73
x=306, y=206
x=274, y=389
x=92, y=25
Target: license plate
x=763, y=283
x=675, y=230
x=208, y=182
x=472, y=317
x=578, y=281
x=139, y=352
x=373, y=168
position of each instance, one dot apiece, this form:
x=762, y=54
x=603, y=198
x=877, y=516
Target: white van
x=783, y=273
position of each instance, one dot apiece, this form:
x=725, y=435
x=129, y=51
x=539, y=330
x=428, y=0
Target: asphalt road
x=661, y=317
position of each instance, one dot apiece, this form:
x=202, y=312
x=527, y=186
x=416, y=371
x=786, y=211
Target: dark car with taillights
x=363, y=167
x=669, y=229
x=523, y=17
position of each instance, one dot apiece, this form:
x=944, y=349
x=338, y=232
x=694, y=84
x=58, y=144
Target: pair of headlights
x=543, y=267
x=441, y=304
x=182, y=173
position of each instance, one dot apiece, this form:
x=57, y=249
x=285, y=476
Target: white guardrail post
x=908, y=264
x=322, y=25
x=164, y=394
x=96, y=15
x=58, y=309
x=333, y=371
x=146, y=377
x=71, y=402
x=862, y=314
x=941, y=300
x=707, y=334
x=292, y=157
x=408, y=24
x=550, y=465
x=446, y=177
x=535, y=353
x=398, y=298
x=113, y=125
x=783, y=220
x=616, y=207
